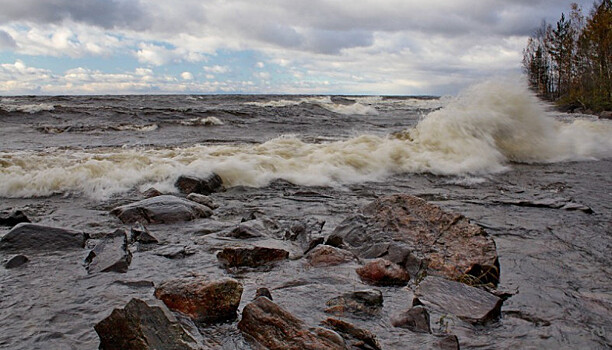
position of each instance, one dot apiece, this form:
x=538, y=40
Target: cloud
x=6, y=40
x=216, y=69
x=187, y=76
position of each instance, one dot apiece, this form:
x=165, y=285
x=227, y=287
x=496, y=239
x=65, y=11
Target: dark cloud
x=6, y=40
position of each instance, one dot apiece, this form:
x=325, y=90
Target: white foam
x=208, y=121
x=28, y=108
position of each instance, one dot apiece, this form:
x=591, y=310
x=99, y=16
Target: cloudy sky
x=263, y=46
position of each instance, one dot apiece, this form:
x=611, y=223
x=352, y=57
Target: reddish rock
x=250, y=257
x=151, y=192
x=361, y=304
x=325, y=255
x=356, y=338
x=271, y=327
x=202, y=300
x=381, y=272
x=421, y=237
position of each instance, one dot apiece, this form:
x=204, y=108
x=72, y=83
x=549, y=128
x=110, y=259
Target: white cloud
x=260, y=65
x=187, y=76
x=217, y=69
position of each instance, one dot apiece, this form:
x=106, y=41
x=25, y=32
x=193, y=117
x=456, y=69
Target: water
x=67, y=160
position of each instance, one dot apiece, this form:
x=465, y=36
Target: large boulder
x=144, y=326
x=470, y=304
x=250, y=257
x=207, y=185
x=271, y=327
x=111, y=254
x=26, y=236
x=200, y=299
x=421, y=237
x=160, y=210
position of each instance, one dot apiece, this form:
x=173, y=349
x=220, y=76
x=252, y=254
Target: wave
x=50, y=129
x=27, y=108
x=346, y=107
x=480, y=132
x=208, y=121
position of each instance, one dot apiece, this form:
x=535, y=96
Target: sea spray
x=479, y=132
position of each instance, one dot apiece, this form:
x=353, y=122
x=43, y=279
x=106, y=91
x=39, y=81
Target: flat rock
x=382, y=272
x=202, y=199
x=205, y=185
x=139, y=233
x=174, y=251
x=325, y=255
x=421, y=237
x=355, y=337
x=250, y=257
x=12, y=218
x=144, y=326
x=110, y=255
x=202, y=300
x=26, y=236
x=468, y=303
x=415, y=319
x=160, y=210
x=271, y=327
x=361, y=304
x=16, y=261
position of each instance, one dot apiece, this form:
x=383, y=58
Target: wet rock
x=250, y=257
x=189, y=184
x=382, y=272
x=342, y=100
x=110, y=255
x=135, y=284
x=271, y=327
x=552, y=203
x=263, y=292
x=12, y=218
x=139, y=233
x=26, y=236
x=246, y=230
x=200, y=299
x=160, y=210
x=174, y=251
x=605, y=115
x=468, y=303
x=151, y=192
x=419, y=236
x=415, y=319
x=202, y=199
x=325, y=255
x=16, y=261
x=143, y=326
x=356, y=338
x=362, y=304
x=447, y=342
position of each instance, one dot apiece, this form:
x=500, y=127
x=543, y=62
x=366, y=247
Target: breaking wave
x=28, y=108
x=350, y=107
x=480, y=132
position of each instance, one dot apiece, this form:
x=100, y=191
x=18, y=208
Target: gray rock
x=202, y=199
x=468, y=303
x=415, y=319
x=356, y=338
x=361, y=304
x=144, y=326
x=26, y=236
x=16, y=261
x=110, y=255
x=174, y=251
x=13, y=218
x=189, y=184
x=250, y=257
x=160, y=210
x=139, y=233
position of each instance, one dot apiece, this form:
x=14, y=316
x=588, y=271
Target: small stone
x=200, y=299
x=356, y=337
x=151, y=192
x=415, y=319
x=251, y=257
x=27, y=236
x=263, y=292
x=381, y=272
x=202, y=199
x=13, y=218
x=174, y=251
x=362, y=304
x=16, y=261
x=325, y=255
x=141, y=234
x=110, y=255
x=205, y=186
x=245, y=230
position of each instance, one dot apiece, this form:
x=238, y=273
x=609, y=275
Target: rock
x=176, y=251
x=263, y=292
x=605, y=115
x=250, y=257
x=26, y=236
x=356, y=338
x=362, y=304
x=110, y=255
x=339, y=100
x=143, y=326
x=151, y=192
x=202, y=199
x=382, y=272
x=325, y=255
x=13, y=218
x=468, y=303
x=139, y=233
x=415, y=319
x=246, y=230
x=447, y=342
x=16, y=261
x=419, y=236
x=271, y=327
x=200, y=299
x=189, y=184
x=160, y=210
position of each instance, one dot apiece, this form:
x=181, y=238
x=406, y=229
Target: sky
x=379, y=47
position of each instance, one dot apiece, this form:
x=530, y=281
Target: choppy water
x=67, y=160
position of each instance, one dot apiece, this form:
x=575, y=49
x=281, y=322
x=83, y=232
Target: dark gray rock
x=16, y=261
x=361, y=304
x=415, y=319
x=139, y=233
x=251, y=257
x=202, y=199
x=144, y=326
x=13, y=218
x=26, y=236
x=355, y=338
x=110, y=255
x=246, y=230
x=189, y=184
x=468, y=303
x=160, y=210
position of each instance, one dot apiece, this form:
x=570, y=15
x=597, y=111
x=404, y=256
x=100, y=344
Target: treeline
x=571, y=62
